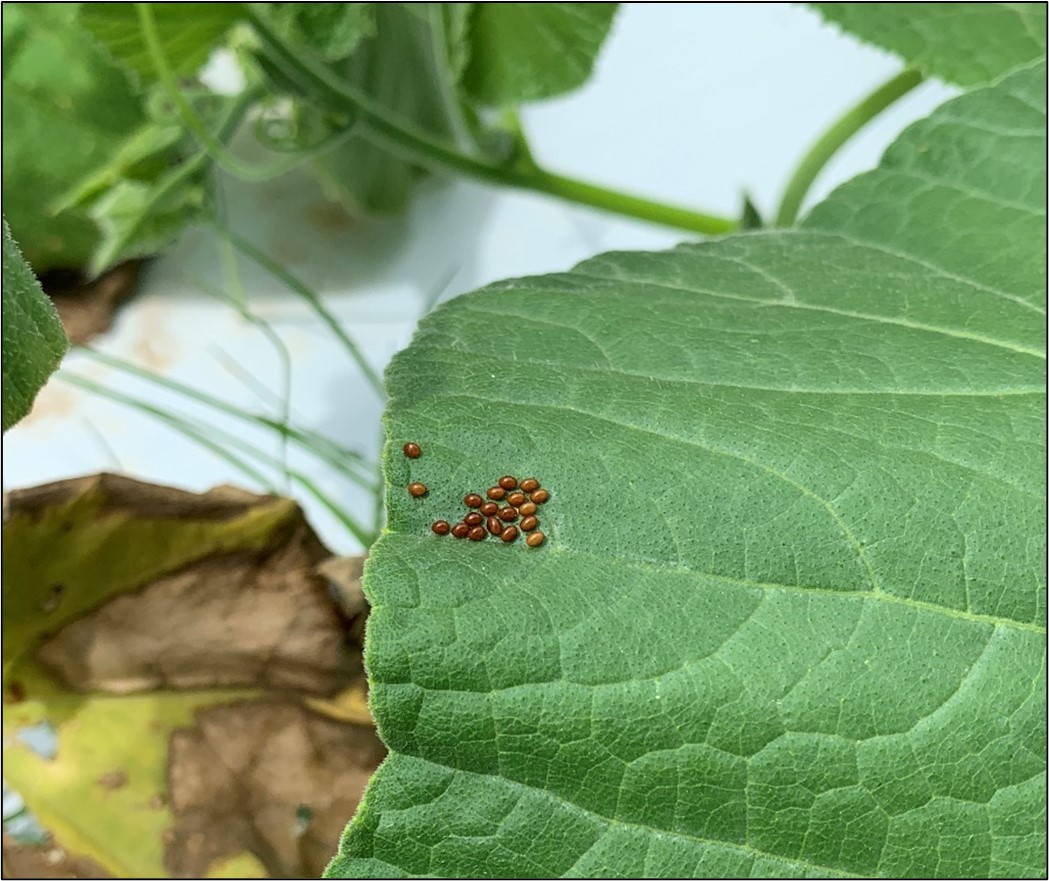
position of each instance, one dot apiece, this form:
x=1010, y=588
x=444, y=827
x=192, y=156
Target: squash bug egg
x=529, y=484
x=535, y=539
x=477, y=534
x=460, y=530
x=540, y=496
x=441, y=527
x=489, y=509
x=496, y=493
x=412, y=451
x=508, y=514
x=495, y=525
x=527, y=509
x=508, y=482
x=515, y=498
x=472, y=500
x=509, y=533
x=473, y=519
x=417, y=489
x=529, y=523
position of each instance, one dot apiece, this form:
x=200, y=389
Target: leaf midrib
x=609, y=822
x=589, y=268
x=857, y=595
x=844, y=313
x=423, y=345
x=876, y=591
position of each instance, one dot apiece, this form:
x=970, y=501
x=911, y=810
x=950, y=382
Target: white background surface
x=690, y=103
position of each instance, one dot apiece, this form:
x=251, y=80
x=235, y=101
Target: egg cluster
x=508, y=509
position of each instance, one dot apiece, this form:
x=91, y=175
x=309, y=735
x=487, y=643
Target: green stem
x=573, y=190
x=181, y=425
x=832, y=140
x=218, y=441
x=522, y=156
x=416, y=146
x=442, y=74
x=322, y=448
x=279, y=272
x=215, y=149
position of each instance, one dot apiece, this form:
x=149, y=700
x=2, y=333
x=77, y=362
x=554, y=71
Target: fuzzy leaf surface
x=527, y=51
x=34, y=341
x=188, y=34
x=965, y=43
x=789, y=618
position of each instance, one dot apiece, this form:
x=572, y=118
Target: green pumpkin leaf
x=789, y=617
x=965, y=43
x=527, y=51
x=34, y=341
x=188, y=34
x=332, y=30
x=67, y=110
x=398, y=69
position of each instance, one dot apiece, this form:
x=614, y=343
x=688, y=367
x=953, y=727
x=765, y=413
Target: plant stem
x=522, y=156
x=573, y=190
x=218, y=441
x=442, y=76
x=181, y=425
x=834, y=137
x=277, y=271
x=416, y=146
x=318, y=445
x=214, y=148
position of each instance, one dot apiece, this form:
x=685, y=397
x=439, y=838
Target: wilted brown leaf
x=270, y=778
x=46, y=861
x=182, y=603
x=344, y=576
x=87, y=307
x=144, y=586
x=246, y=619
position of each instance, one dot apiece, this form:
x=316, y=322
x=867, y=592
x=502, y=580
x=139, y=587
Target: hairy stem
x=292, y=283
x=214, y=147
x=413, y=145
x=220, y=442
x=833, y=138
x=321, y=447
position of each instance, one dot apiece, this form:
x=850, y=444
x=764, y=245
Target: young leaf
x=789, y=618
x=136, y=219
x=398, y=70
x=34, y=341
x=331, y=30
x=750, y=217
x=527, y=51
x=142, y=155
x=965, y=43
x=66, y=111
x=188, y=32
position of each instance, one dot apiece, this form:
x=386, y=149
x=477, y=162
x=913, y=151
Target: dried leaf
x=112, y=586
x=272, y=779
x=240, y=619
